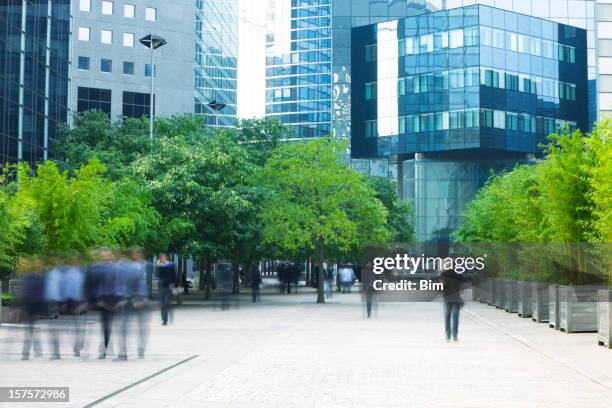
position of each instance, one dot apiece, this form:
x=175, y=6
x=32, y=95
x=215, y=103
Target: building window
x=128, y=39
x=106, y=37
x=472, y=118
x=106, y=65
x=107, y=7
x=83, y=63
x=370, y=53
x=128, y=68
x=129, y=10
x=401, y=86
x=94, y=98
x=499, y=119
x=85, y=5
x=150, y=14
x=456, y=119
x=371, y=128
x=147, y=70
x=370, y=90
x=401, y=48
x=136, y=104
x=456, y=38
x=83, y=33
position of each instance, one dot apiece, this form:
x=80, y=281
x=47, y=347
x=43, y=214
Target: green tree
x=319, y=203
x=93, y=135
x=401, y=214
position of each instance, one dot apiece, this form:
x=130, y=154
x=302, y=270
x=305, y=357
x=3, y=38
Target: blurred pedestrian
x=255, y=283
x=346, y=278
x=53, y=300
x=139, y=295
x=452, y=287
x=166, y=274
x=100, y=289
x=33, y=302
x=73, y=299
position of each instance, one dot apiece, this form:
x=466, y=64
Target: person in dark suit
x=451, y=293
x=166, y=274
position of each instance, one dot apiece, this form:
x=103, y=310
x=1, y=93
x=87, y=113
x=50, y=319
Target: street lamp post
x=152, y=42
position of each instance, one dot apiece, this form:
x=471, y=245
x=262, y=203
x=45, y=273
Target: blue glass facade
x=34, y=72
x=216, y=54
x=298, y=65
x=467, y=78
x=455, y=94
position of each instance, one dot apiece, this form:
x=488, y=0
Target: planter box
x=553, y=306
x=486, y=292
x=475, y=289
x=539, y=302
x=578, y=308
x=524, y=299
x=511, y=296
x=15, y=287
x=604, y=317
x=498, y=293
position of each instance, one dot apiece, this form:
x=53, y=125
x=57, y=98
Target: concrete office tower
x=216, y=56
x=112, y=69
x=34, y=72
x=457, y=93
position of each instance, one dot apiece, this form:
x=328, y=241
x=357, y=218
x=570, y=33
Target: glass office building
x=216, y=55
x=298, y=65
x=34, y=76
x=457, y=93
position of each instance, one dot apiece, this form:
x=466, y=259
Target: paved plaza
x=290, y=352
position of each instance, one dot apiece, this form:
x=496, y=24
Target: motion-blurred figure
x=139, y=291
x=167, y=282
x=73, y=299
x=255, y=283
x=32, y=299
x=451, y=293
x=100, y=290
x=226, y=283
x=346, y=278
x=368, y=287
x=53, y=299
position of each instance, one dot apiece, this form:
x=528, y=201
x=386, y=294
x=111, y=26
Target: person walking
x=452, y=287
x=255, y=282
x=167, y=281
x=33, y=302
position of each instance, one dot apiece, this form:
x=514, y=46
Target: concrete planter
x=486, y=291
x=498, y=293
x=475, y=289
x=604, y=317
x=15, y=287
x=539, y=302
x=511, y=296
x=578, y=308
x=553, y=306
x=524, y=299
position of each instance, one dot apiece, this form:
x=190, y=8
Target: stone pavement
x=290, y=352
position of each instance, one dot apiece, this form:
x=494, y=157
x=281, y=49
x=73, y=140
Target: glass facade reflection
x=34, y=70
x=445, y=90
x=298, y=65
x=216, y=54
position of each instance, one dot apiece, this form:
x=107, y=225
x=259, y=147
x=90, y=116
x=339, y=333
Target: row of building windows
x=106, y=65
x=106, y=36
x=129, y=10
x=467, y=37
x=135, y=104
x=461, y=78
x=468, y=118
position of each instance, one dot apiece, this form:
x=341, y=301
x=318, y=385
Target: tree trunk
x=321, y=283
x=208, y=280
